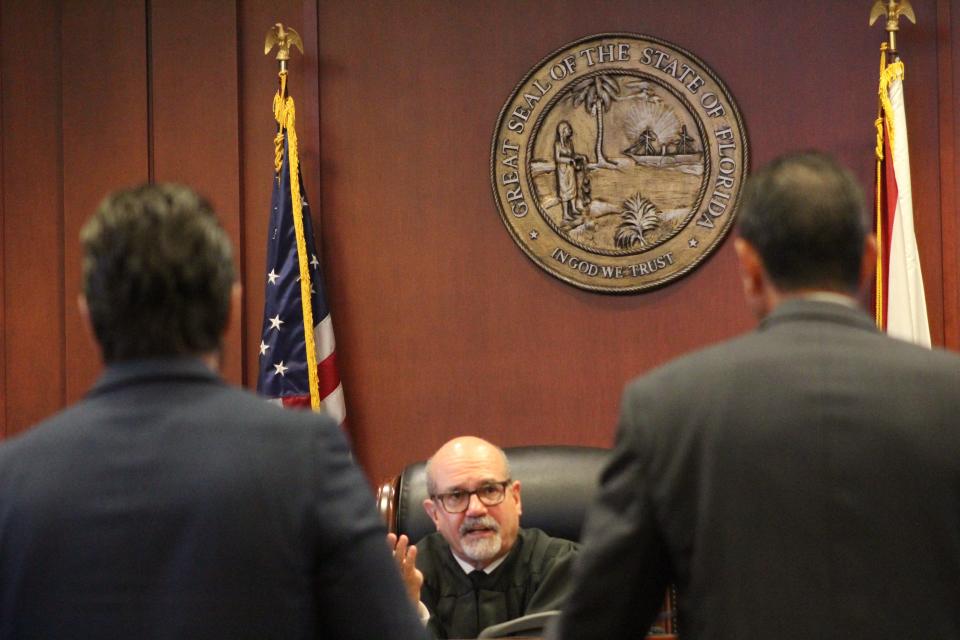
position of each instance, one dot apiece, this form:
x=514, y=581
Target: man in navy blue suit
x=168, y=504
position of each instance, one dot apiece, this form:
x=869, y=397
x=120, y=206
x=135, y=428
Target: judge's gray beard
x=481, y=549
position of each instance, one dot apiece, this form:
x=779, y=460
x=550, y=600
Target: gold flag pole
x=892, y=9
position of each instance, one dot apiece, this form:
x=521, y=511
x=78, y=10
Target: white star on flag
x=279, y=368
x=272, y=276
x=263, y=347
x=275, y=322
x=314, y=262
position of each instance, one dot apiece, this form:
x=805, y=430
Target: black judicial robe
x=534, y=577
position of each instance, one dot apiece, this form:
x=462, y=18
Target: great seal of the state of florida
x=618, y=162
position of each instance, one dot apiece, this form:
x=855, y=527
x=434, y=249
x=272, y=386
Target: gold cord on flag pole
x=284, y=112
x=278, y=139
x=878, y=301
x=892, y=71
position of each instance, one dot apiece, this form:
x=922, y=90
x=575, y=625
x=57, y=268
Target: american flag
x=284, y=360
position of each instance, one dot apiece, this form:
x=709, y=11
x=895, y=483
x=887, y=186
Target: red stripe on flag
x=296, y=402
x=327, y=375
x=890, y=195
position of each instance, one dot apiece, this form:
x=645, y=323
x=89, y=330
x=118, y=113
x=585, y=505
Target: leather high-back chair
x=557, y=484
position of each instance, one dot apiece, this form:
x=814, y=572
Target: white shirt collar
x=469, y=568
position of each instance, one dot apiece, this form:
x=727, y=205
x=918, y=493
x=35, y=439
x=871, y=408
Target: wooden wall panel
x=32, y=223
x=105, y=140
x=444, y=326
x=3, y=253
x=195, y=129
x=948, y=32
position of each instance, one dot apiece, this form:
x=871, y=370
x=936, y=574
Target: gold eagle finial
x=893, y=9
x=282, y=37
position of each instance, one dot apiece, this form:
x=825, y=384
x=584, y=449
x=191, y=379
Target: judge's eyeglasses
x=490, y=494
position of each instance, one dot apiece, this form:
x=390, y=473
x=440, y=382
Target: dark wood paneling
x=3, y=262
x=105, y=140
x=306, y=91
x=948, y=31
x=444, y=326
x=32, y=224
x=195, y=128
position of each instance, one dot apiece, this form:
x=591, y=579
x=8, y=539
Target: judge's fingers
x=400, y=550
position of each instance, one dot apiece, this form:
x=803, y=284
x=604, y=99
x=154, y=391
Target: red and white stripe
x=906, y=308
x=331, y=390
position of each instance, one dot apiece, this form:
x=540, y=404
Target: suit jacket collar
x=799, y=309
x=132, y=372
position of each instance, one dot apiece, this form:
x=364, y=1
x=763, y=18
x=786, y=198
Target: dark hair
x=805, y=216
x=157, y=273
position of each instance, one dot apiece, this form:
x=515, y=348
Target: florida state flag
x=900, y=302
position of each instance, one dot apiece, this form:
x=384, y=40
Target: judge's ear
x=431, y=508
x=515, y=492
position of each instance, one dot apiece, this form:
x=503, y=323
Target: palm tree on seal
x=596, y=94
x=639, y=215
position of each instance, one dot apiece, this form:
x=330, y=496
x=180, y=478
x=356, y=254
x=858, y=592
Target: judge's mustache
x=483, y=522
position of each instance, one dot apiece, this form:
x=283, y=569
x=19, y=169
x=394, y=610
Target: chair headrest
x=557, y=484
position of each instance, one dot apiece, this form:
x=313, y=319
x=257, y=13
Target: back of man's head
x=804, y=214
x=157, y=274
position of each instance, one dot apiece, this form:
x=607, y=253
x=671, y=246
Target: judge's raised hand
x=405, y=555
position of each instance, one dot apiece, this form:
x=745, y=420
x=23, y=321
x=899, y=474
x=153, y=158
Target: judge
x=480, y=568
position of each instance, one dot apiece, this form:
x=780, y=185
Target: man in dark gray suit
x=801, y=481
x=167, y=504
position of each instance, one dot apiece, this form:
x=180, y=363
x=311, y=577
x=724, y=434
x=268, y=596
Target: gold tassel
x=284, y=112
